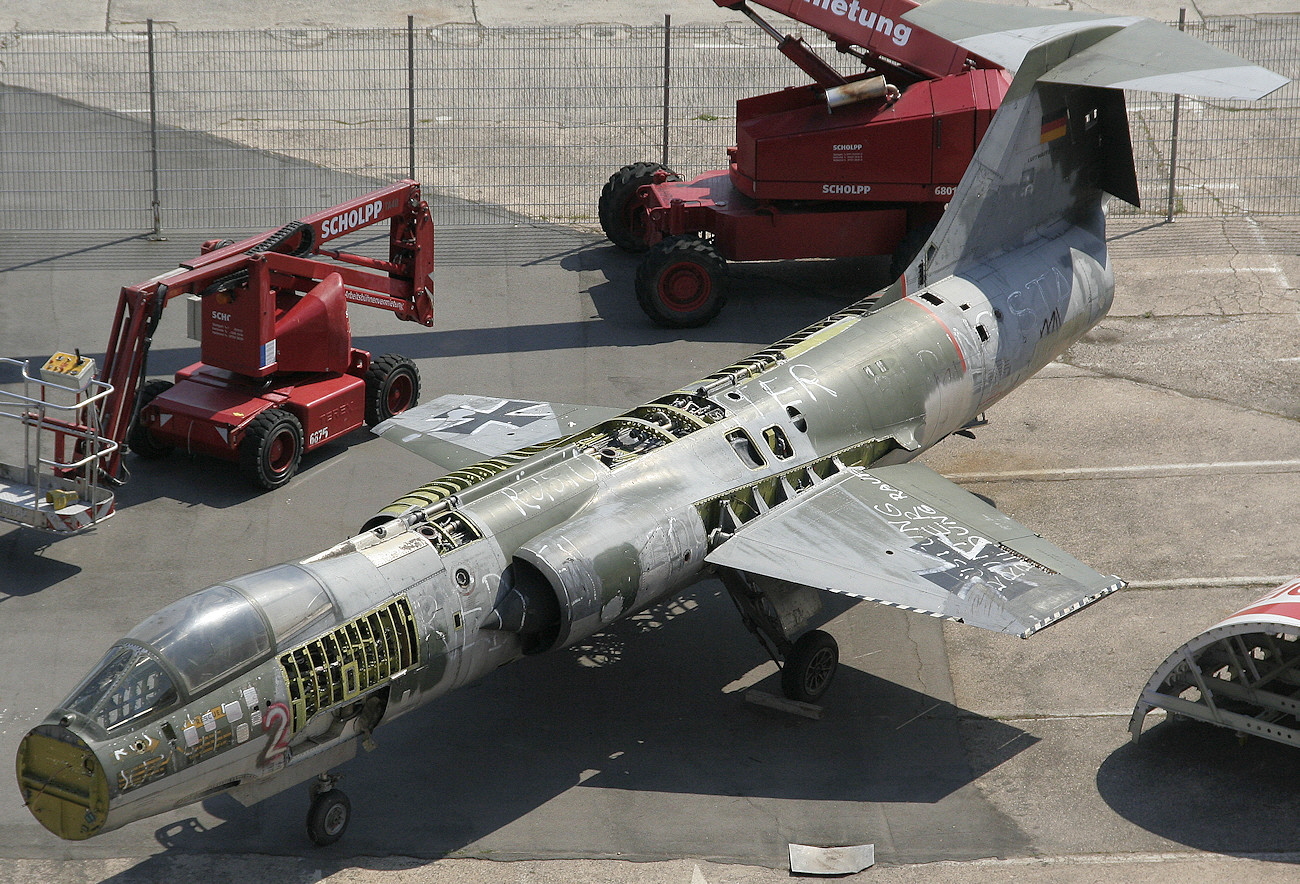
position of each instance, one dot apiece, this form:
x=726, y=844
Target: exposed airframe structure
x=1242, y=673
x=785, y=474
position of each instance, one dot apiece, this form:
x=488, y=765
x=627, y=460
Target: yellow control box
x=67, y=370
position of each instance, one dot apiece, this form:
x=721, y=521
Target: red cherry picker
x=277, y=376
x=842, y=167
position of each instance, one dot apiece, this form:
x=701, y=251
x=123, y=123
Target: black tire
x=392, y=386
x=909, y=247
x=138, y=438
x=810, y=666
x=328, y=817
x=621, y=215
x=272, y=448
x=681, y=282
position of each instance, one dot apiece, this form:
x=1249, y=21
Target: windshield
x=207, y=636
x=128, y=683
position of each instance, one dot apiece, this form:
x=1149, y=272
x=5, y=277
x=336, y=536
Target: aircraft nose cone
x=62, y=782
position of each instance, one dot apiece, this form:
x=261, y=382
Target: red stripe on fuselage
x=943, y=325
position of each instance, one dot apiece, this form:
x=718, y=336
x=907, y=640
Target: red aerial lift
x=846, y=166
x=278, y=375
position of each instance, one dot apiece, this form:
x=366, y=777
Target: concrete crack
x=1153, y=385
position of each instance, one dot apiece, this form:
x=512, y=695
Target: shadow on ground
x=573, y=753
x=1205, y=787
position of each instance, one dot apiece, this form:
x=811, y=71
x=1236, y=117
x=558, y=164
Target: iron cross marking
x=512, y=413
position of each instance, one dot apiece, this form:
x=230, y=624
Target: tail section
x=1059, y=146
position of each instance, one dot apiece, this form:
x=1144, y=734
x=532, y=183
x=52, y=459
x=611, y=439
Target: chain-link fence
x=178, y=130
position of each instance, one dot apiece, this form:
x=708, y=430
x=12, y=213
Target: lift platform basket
x=57, y=487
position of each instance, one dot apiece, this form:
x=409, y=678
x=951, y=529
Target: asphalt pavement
x=1164, y=448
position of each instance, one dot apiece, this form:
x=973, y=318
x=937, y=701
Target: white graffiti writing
x=806, y=383
x=530, y=494
x=978, y=559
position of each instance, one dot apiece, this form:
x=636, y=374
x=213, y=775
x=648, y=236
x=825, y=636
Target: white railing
x=59, y=485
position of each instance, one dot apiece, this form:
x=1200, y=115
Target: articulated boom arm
x=289, y=259
x=876, y=27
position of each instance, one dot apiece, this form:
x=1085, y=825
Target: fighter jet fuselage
x=534, y=551
x=785, y=474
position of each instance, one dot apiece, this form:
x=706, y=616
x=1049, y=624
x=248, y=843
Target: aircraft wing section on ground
x=905, y=536
x=1137, y=53
x=455, y=430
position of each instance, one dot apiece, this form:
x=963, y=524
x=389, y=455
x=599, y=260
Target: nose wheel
x=330, y=811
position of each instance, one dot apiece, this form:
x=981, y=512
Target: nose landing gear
x=330, y=812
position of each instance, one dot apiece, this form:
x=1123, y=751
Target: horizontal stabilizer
x=455, y=431
x=1128, y=52
x=905, y=536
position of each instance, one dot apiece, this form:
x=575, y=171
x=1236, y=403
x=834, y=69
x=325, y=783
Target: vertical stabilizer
x=1054, y=153
x=1059, y=145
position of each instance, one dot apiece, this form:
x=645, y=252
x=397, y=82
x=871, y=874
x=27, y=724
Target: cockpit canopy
x=206, y=635
x=201, y=640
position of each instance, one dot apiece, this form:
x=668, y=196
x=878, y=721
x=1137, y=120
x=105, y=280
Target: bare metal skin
x=784, y=475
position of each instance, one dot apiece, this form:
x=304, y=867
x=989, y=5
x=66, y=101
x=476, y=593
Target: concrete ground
x=1164, y=448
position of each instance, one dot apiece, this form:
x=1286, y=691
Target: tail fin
x=1059, y=145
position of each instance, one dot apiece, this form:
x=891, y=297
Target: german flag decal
x=1052, y=129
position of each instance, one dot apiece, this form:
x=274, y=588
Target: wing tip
x=1115, y=585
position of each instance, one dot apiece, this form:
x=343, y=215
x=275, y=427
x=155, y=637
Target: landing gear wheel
x=328, y=817
x=392, y=386
x=139, y=439
x=622, y=216
x=272, y=448
x=810, y=666
x=680, y=282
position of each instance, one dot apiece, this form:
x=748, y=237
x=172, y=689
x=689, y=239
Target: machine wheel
x=680, y=282
x=810, y=667
x=621, y=214
x=272, y=448
x=392, y=386
x=909, y=247
x=139, y=439
x=328, y=817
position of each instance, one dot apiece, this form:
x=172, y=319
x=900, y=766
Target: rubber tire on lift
x=681, y=282
x=392, y=386
x=810, y=667
x=621, y=215
x=272, y=448
x=328, y=817
x=138, y=438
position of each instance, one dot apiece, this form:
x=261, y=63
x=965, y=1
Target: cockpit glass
x=292, y=599
x=206, y=636
x=128, y=684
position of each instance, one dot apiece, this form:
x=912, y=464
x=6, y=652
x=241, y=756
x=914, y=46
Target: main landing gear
x=808, y=663
x=330, y=812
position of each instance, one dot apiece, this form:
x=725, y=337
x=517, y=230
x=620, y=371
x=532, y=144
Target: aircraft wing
x=455, y=431
x=1139, y=54
x=905, y=536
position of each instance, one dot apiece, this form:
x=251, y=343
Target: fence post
x=668, y=23
x=156, y=202
x=1173, y=134
x=410, y=96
